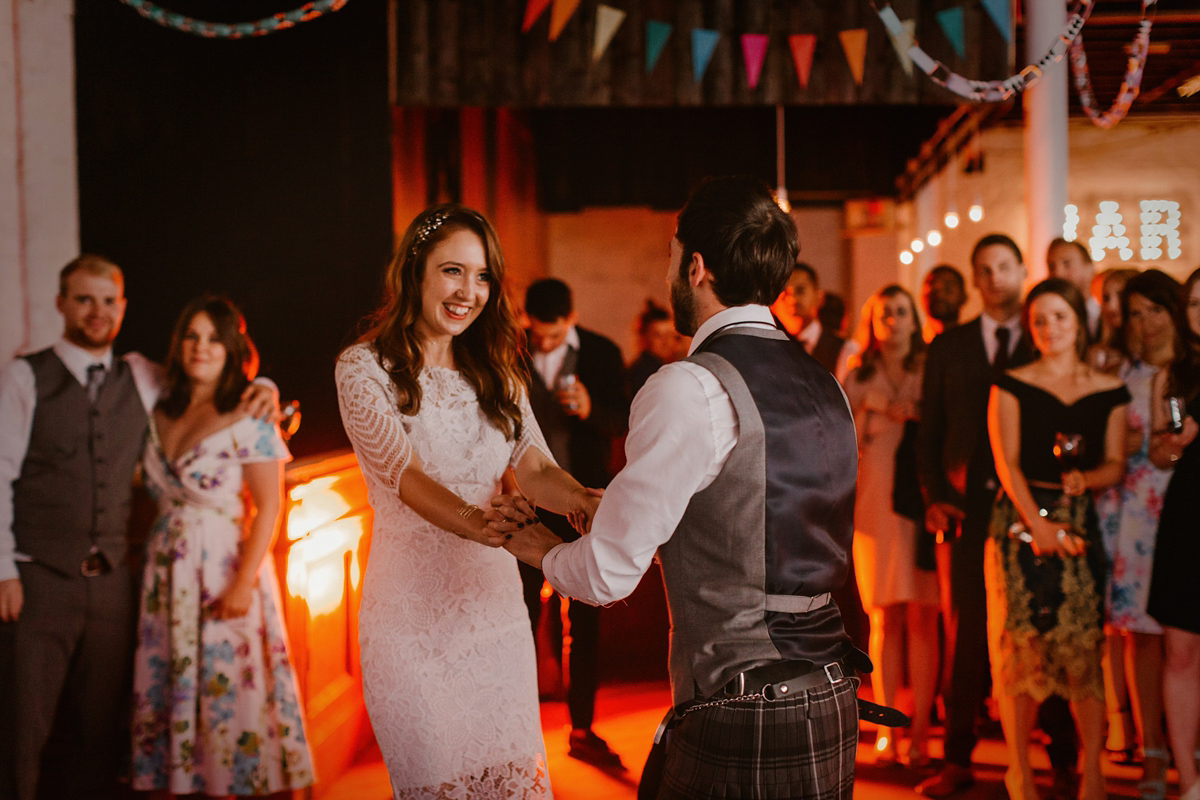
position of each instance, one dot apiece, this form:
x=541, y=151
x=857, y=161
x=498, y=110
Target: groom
x=740, y=475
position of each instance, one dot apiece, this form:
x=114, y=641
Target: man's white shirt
x=682, y=427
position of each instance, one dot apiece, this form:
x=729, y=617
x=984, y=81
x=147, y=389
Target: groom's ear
x=697, y=272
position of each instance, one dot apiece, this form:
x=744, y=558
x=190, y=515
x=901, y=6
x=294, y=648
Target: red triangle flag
x=754, y=50
x=802, y=46
x=533, y=10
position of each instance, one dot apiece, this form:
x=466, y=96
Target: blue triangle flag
x=657, y=34
x=951, y=20
x=704, y=42
x=1001, y=13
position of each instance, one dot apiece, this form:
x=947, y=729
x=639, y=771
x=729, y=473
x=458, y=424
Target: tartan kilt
x=802, y=747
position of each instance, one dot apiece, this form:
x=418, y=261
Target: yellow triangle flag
x=560, y=15
x=902, y=42
x=608, y=19
x=854, y=43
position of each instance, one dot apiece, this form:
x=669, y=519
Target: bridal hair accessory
x=427, y=228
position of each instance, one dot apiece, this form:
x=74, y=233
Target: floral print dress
x=216, y=709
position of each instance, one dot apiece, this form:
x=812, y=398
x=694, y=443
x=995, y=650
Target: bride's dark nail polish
x=520, y=524
x=508, y=537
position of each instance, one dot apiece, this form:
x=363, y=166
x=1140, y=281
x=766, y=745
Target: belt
x=95, y=564
x=782, y=679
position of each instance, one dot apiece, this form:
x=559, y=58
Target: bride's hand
x=510, y=512
x=584, y=503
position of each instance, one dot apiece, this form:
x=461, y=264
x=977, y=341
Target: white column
x=1045, y=133
x=39, y=195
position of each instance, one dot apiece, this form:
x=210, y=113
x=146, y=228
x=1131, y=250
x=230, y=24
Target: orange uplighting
x=314, y=504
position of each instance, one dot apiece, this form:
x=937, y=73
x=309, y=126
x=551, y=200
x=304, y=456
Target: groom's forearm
x=531, y=544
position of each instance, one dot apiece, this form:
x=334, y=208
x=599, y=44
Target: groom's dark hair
x=747, y=241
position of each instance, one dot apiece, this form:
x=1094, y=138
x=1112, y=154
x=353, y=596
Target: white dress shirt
x=990, y=327
x=682, y=427
x=548, y=365
x=18, y=396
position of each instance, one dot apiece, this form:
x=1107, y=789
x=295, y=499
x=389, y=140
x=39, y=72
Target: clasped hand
x=1054, y=539
x=513, y=512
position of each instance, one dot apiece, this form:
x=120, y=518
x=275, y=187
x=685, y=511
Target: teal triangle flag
x=704, y=42
x=951, y=20
x=1001, y=13
x=657, y=34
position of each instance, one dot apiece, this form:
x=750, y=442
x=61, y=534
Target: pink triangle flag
x=533, y=10
x=854, y=43
x=802, y=46
x=560, y=15
x=754, y=50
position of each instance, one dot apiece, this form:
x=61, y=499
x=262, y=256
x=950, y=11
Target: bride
x=434, y=406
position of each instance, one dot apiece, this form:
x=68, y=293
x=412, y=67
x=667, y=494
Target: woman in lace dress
x=216, y=710
x=884, y=390
x=1044, y=563
x=434, y=406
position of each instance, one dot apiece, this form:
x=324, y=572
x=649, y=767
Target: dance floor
x=627, y=715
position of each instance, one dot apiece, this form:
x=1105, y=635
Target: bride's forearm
x=440, y=506
x=547, y=484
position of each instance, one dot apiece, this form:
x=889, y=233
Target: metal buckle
x=95, y=564
x=832, y=667
x=741, y=686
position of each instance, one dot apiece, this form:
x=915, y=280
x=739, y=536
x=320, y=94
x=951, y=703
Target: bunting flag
x=854, y=43
x=754, y=51
x=951, y=20
x=533, y=10
x=802, y=46
x=560, y=15
x=608, y=19
x=704, y=42
x=902, y=34
x=657, y=34
x=1001, y=13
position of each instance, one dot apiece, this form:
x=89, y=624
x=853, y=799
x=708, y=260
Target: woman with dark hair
x=1172, y=600
x=658, y=342
x=1057, y=429
x=884, y=390
x=1115, y=342
x=1149, y=301
x=434, y=405
x=216, y=711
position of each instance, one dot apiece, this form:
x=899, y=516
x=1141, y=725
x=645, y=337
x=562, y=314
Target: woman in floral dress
x=216, y=710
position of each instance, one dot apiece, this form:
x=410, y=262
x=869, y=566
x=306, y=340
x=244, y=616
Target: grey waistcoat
x=774, y=527
x=75, y=485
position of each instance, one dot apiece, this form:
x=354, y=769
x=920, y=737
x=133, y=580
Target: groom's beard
x=683, y=306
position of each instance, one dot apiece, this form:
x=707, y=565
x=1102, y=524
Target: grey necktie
x=95, y=377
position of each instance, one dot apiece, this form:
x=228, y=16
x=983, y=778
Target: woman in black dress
x=1045, y=564
x=1173, y=596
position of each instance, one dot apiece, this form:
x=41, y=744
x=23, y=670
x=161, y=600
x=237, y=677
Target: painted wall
x=1142, y=159
x=39, y=207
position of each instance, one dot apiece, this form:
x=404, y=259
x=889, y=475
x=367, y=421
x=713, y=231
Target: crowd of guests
x=1029, y=474
x=1027, y=479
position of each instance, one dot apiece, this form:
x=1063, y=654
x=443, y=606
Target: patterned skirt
x=801, y=747
x=1045, y=614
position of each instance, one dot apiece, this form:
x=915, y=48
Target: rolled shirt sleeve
x=682, y=429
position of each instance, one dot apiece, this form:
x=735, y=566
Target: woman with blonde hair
x=435, y=407
x=884, y=390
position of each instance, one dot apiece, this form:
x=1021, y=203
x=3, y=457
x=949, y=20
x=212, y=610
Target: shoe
x=591, y=749
x=1154, y=788
x=952, y=779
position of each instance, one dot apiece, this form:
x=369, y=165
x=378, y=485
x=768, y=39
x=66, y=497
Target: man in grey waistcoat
x=740, y=476
x=73, y=423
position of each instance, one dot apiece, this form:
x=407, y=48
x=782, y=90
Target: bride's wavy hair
x=486, y=353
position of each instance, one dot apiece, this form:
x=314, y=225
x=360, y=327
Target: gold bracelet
x=467, y=509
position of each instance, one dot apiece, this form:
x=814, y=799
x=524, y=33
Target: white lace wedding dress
x=449, y=673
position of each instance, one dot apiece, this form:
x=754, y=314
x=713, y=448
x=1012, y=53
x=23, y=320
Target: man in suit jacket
x=579, y=396
x=958, y=478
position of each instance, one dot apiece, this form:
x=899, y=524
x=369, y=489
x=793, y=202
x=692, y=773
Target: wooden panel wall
x=473, y=53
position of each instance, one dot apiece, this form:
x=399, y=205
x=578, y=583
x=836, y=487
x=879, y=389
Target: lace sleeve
x=531, y=434
x=370, y=416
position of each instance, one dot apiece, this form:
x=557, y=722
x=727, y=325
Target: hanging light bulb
x=951, y=219
x=934, y=238
x=906, y=257
x=917, y=245
x=975, y=212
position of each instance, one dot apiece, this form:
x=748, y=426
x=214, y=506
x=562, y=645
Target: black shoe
x=590, y=748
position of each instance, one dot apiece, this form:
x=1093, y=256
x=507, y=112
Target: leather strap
x=797, y=604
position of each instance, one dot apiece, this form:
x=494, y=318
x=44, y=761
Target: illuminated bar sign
x=1157, y=238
